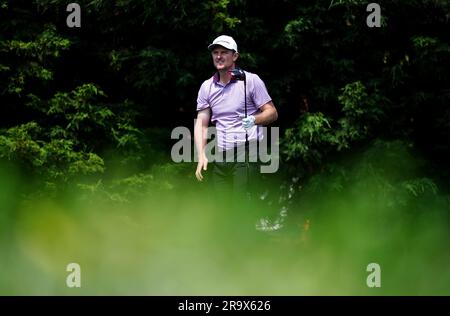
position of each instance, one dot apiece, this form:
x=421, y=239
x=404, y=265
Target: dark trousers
x=238, y=177
x=238, y=186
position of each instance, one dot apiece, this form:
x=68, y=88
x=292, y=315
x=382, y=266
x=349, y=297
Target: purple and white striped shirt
x=227, y=104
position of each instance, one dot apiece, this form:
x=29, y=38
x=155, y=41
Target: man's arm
x=200, y=138
x=268, y=114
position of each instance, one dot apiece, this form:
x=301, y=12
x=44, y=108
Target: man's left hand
x=248, y=122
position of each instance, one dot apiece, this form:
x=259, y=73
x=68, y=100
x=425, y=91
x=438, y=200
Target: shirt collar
x=216, y=78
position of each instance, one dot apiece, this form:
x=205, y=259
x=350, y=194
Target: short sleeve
x=259, y=92
x=202, y=98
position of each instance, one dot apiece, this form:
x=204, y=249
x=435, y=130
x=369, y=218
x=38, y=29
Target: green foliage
x=304, y=142
x=386, y=173
x=89, y=112
x=361, y=113
x=347, y=2
x=80, y=115
x=65, y=142
x=337, y=84
x=420, y=186
x=164, y=178
x=56, y=160
x=29, y=60
x=221, y=18
x=294, y=29
x=316, y=135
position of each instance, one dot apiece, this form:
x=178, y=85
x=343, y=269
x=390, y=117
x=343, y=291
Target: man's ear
x=235, y=56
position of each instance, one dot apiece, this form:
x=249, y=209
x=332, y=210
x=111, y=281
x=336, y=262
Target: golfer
x=221, y=101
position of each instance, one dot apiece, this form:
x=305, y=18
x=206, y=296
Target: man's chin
x=219, y=68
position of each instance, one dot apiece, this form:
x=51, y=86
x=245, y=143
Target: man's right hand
x=202, y=164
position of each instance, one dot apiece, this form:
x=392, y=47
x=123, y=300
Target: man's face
x=223, y=58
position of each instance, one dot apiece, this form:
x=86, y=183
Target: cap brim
x=212, y=46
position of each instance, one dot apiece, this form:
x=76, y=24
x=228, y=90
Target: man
x=221, y=100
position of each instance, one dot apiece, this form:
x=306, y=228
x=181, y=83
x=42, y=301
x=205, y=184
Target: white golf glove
x=248, y=122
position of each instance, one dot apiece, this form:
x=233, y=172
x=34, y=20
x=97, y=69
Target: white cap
x=225, y=41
